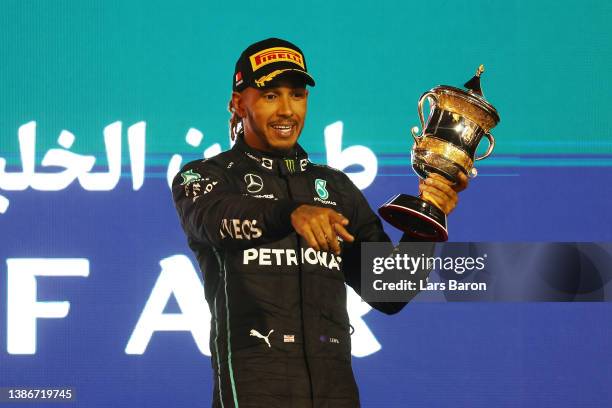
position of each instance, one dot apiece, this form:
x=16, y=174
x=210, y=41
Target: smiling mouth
x=283, y=129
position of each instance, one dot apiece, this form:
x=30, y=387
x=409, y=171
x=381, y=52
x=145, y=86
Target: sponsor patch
x=266, y=338
x=253, y=182
x=328, y=202
x=276, y=54
x=239, y=229
x=326, y=339
x=190, y=176
x=320, y=189
x=290, y=164
x=288, y=256
x=268, y=196
x=261, y=82
x=289, y=338
x=250, y=156
x=267, y=163
x=195, y=190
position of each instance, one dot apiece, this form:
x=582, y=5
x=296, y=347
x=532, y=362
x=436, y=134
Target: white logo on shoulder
x=255, y=333
x=267, y=163
x=254, y=183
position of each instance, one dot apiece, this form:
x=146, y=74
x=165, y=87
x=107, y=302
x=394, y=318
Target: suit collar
x=283, y=164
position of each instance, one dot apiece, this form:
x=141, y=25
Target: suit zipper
x=301, y=280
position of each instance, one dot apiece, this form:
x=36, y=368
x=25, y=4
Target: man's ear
x=237, y=104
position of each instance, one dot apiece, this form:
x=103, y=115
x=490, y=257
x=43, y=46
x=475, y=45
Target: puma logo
x=255, y=333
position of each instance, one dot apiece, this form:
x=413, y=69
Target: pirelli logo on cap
x=276, y=54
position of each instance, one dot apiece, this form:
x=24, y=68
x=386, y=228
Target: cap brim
x=269, y=79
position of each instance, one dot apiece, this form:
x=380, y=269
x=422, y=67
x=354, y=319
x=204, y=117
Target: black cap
x=263, y=61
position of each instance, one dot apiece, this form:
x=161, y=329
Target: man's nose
x=284, y=107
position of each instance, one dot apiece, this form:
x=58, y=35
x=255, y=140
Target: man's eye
x=298, y=95
x=269, y=97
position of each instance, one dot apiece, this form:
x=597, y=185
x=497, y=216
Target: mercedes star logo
x=254, y=183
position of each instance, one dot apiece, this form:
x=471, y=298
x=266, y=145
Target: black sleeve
x=365, y=226
x=214, y=212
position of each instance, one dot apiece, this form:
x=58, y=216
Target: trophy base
x=415, y=217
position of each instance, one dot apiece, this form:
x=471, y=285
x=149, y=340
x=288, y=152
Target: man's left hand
x=441, y=192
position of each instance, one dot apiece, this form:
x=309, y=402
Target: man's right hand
x=321, y=227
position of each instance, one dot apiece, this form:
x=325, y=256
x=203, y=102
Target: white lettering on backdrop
x=178, y=278
x=63, y=167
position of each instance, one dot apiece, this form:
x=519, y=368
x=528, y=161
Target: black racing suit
x=280, y=332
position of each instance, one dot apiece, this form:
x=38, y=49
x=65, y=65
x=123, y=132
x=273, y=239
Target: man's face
x=273, y=117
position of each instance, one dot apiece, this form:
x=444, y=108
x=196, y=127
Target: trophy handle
x=491, y=146
x=415, y=129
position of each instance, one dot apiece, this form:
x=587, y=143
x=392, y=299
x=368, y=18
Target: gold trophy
x=458, y=120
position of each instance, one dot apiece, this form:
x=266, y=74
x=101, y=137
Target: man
x=266, y=224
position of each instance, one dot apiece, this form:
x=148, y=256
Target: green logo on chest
x=290, y=164
x=320, y=189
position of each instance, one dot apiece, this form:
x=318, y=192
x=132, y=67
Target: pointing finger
x=343, y=233
x=336, y=217
x=330, y=235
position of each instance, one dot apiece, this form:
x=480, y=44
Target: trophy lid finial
x=480, y=70
x=474, y=84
